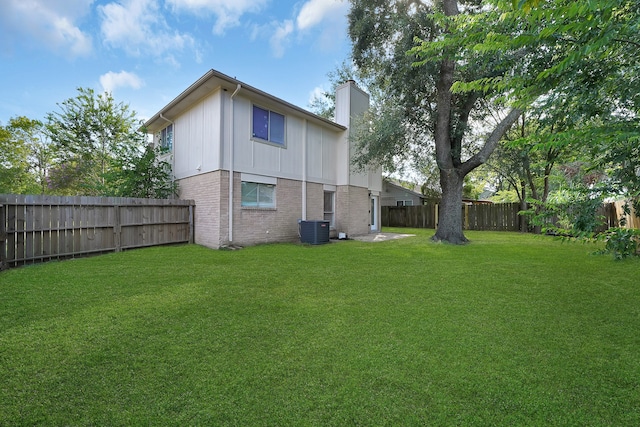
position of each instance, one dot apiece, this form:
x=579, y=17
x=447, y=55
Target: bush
x=621, y=242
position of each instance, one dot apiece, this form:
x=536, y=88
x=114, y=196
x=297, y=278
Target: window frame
x=259, y=188
x=332, y=212
x=162, y=139
x=278, y=139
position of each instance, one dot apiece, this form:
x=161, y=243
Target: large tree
x=420, y=107
x=516, y=54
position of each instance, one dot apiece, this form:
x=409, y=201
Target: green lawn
x=509, y=330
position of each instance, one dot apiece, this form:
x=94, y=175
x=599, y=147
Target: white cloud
x=326, y=17
x=228, y=12
x=317, y=93
x=280, y=38
x=314, y=12
x=110, y=81
x=137, y=26
x=50, y=23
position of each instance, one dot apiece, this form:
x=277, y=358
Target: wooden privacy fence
x=490, y=216
x=417, y=216
x=41, y=228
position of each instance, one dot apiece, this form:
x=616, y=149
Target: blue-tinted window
x=260, y=123
x=277, y=128
x=268, y=125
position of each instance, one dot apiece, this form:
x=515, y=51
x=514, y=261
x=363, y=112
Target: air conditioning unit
x=314, y=232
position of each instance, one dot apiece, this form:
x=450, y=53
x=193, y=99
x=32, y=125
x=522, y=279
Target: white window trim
x=259, y=179
x=161, y=140
x=332, y=221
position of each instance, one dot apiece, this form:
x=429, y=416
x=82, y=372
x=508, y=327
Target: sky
x=146, y=52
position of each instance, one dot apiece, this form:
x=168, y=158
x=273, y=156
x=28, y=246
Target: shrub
x=621, y=242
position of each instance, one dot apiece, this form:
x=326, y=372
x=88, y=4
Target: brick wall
x=352, y=210
x=315, y=202
x=210, y=192
x=255, y=226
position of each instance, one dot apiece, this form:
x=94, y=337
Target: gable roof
x=213, y=80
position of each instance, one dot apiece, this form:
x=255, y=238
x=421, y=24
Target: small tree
x=141, y=173
x=18, y=141
x=101, y=150
x=89, y=132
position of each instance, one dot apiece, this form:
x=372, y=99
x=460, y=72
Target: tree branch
x=491, y=143
x=636, y=44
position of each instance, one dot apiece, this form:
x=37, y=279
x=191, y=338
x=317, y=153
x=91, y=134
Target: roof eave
x=202, y=87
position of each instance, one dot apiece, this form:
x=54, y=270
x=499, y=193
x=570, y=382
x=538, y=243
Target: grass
x=509, y=330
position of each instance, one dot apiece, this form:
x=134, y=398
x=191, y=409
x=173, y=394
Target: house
x=396, y=195
x=256, y=165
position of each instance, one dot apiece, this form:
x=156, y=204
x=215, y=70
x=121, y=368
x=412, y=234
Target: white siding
x=291, y=157
x=197, y=137
x=263, y=158
x=351, y=103
x=315, y=161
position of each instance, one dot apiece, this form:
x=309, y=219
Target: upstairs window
x=166, y=138
x=268, y=125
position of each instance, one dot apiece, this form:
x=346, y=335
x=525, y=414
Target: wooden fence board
x=20, y=227
x=3, y=238
x=10, y=229
x=46, y=227
x=632, y=220
x=40, y=228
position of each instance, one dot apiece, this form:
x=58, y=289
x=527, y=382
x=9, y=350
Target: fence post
x=191, y=224
x=3, y=240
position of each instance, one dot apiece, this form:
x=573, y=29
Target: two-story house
x=256, y=165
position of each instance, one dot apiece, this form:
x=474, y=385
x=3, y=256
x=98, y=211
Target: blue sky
x=146, y=52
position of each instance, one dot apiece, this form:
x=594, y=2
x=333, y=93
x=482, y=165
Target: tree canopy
x=420, y=109
x=443, y=66
x=92, y=146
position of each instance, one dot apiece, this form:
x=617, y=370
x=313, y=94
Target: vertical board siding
x=41, y=228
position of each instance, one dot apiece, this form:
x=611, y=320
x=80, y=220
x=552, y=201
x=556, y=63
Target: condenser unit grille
x=314, y=232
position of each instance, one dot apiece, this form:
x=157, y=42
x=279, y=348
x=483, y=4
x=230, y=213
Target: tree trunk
x=452, y=178
x=452, y=171
x=450, y=209
x=524, y=226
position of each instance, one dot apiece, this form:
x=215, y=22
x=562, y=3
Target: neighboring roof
x=400, y=187
x=213, y=80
